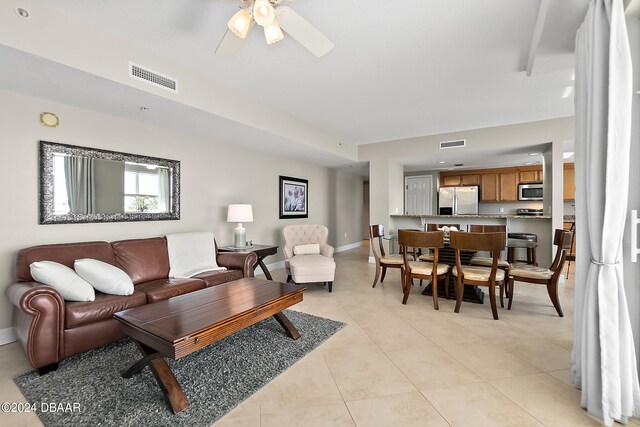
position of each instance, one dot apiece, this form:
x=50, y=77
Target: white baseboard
x=270, y=267
x=7, y=336
x=372, y=260
x=349, y=246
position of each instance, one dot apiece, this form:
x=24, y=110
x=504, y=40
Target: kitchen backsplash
x=509, y=207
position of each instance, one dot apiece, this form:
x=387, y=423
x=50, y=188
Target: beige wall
x=213, y=175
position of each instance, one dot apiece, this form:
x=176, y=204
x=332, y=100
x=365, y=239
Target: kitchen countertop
x=492, y=216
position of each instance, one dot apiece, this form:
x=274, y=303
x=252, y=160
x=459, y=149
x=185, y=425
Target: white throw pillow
x=104, y=277
x=310, y=249
x=191, y=254
x=63, y=279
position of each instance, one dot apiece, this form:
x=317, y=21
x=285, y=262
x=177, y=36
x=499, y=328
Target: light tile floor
x=407, y=365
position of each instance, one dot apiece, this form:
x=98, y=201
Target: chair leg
x=288, y=278
x=459, y=286
x=434, y=280
x=552, y=289
x=511, y=286
x=506, y=282
x=446, y=286
x=330, y=285
x=492, y=299
x=375, y=279
x=384, y=272
x=568, y=269
x=502, y=286
x=406, y=289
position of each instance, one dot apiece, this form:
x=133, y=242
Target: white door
x=417, y=195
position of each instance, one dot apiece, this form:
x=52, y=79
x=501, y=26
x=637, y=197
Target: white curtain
x=604, y=360
x=79, y=178
x=164, y=193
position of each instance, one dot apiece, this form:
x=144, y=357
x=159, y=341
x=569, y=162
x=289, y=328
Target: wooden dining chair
x=383, y=261
x=571, y=253
x=423, y=270
x=544, y=276
x=487, y=261
x=474, y=274
x=428, y=257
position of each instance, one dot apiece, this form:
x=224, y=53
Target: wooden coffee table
x=181, y=325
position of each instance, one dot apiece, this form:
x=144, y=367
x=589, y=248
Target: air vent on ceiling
x=155, y=78
x=453, y=144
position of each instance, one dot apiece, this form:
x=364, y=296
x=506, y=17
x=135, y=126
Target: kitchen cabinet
x=508, y=185
x=569, y=182
x=496, y=184
x=489, y=187
x=470, y=180
x=530, y=176
x=449, y=180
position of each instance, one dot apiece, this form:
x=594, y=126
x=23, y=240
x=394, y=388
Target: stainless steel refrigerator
x=458, y=200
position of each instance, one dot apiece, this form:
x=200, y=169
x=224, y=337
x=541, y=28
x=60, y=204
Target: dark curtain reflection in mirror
x=79, y=184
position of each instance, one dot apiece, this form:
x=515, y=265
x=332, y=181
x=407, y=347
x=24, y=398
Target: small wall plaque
x=49, y=120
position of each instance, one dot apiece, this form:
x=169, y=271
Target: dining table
x=447, y=255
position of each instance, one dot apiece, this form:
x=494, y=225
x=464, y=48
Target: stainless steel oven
x=531, y=191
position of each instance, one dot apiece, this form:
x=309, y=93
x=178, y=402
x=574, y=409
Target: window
x=141, y=188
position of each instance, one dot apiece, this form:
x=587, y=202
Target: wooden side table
x=262, y=251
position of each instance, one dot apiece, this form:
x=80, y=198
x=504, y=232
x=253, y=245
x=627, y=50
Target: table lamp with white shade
x=240, y=213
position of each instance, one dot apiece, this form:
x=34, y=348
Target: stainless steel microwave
x=530, y=191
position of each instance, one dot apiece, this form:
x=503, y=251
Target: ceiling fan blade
x=230, y=43
x=303, y=32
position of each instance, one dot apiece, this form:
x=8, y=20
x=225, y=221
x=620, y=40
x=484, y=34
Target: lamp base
x=240, y=238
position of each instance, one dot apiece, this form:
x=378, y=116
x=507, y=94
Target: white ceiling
x=400, y=68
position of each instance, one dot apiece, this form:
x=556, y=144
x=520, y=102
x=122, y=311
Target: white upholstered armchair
x=307, y=256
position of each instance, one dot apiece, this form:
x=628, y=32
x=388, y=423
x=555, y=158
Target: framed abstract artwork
x=294, y=197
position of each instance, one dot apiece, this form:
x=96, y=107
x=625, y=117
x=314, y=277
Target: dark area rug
x=215, y=379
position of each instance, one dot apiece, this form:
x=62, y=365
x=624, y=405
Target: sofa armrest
x=244, y=261
x=39, y=321
x=326, y=250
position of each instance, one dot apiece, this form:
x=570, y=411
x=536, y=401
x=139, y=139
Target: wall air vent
x=453, y=144
x=149, y=76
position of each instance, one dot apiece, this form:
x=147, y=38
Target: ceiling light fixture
x=273, y=33
x=240, y=23
x=442, y=162
x=534, y=154
x=264, y=15
x=275, y=20
x=263, y=12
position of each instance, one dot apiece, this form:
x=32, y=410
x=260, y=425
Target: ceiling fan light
x=263, y=12
x=273, y=33
x=240, y=23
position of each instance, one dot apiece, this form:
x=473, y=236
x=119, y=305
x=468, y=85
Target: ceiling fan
x=273, y=20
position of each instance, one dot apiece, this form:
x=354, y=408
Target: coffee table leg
x=165, y=378
x=286, y=324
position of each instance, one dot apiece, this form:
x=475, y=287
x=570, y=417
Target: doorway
x=418, y=195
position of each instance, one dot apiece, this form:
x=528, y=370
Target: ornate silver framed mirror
x=81, y=184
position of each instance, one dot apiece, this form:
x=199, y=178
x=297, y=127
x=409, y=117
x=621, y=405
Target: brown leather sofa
x=51, y=329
